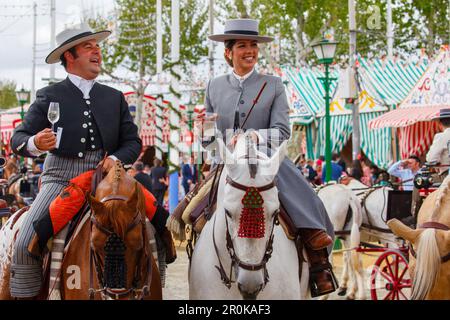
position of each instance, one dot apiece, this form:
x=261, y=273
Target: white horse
x=338, y=201
x=374, y=212
x=234, y=259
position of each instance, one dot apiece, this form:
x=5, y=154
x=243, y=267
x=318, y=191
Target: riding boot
x=321, y=277
x=315, y=239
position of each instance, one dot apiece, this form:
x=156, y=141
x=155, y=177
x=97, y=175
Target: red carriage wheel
x=390, y=279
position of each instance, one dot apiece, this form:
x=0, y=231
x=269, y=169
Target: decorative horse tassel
x=251, y=224
x=115, y=268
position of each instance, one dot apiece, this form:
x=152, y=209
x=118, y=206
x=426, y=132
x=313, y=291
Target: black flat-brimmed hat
x=237, y=29
x=443, y=114
x=71, y=37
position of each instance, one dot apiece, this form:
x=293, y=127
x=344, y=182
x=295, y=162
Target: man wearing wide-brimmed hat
x=439, y=150
x=94, y=119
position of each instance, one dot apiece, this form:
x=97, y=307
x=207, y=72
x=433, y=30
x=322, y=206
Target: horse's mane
x=442, y=194
x=112, y=206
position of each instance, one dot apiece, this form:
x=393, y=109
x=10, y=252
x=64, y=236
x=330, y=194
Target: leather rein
x=432, y=225
x=235, y=260
x=137, y=294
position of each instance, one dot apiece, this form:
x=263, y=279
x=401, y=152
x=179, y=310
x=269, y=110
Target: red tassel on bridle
x=251, y=224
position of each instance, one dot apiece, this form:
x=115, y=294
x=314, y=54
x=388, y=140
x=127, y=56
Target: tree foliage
x=8, y=94
x=296, y=24
x=133, y=44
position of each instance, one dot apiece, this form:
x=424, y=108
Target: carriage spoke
x=397, y=261
x=386, y=276
x=402, y=274
x=388, y=295
x=400, y=291
x=389, y=266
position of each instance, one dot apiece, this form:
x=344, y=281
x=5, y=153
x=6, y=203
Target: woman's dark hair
x=356, y=171
x=73, y=51
x=229, y=45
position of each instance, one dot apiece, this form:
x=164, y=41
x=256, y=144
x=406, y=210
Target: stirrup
x=313, y=281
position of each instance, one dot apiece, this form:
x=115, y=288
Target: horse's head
x=118, y=240
x=11, y=168
x=251, y=204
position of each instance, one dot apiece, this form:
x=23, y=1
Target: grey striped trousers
x=26, y=271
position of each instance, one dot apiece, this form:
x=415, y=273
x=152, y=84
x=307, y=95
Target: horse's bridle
x=235, y=261
x=137, y=294
x=432, y=225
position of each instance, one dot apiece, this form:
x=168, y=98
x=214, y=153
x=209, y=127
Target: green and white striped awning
x=305, y=91
x=340, y=128
x=376, y=145
x=389, y=82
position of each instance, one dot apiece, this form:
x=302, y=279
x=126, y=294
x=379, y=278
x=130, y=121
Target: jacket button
x=83, y=140
x=84, y=125
x=80, y=154
x=243, y=114
x=86, y=113
x=242, y=101
x=92, y=138
x=90, y=123
x=88, y=102
x=91, y=131
x=93, y=147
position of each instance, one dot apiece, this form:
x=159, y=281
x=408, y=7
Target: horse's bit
x=114, y=272
x=235, y=261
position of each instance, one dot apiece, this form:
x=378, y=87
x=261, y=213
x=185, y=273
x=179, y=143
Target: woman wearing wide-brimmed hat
x=231, y=97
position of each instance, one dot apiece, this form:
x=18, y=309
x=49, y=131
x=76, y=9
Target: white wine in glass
x=53, y=113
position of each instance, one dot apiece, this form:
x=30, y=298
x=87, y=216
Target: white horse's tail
x=355, y=236
x=427, y=265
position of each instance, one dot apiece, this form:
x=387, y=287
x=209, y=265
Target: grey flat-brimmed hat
x=443, y=114
x=71, y=37
x=241, y=29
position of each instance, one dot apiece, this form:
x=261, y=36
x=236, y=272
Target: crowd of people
x=361, y=169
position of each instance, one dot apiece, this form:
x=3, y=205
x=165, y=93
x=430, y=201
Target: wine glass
x=53, y=113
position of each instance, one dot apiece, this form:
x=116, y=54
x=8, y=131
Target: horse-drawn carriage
x=389, y=277
x=19, y=185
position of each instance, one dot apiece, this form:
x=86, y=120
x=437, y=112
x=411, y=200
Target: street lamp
x=22, y=97
x=325, y=51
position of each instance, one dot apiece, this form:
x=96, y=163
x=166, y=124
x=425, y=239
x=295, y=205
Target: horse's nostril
x=247, y=295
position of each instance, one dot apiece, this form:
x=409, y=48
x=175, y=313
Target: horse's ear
x=225, y=154
x=271, y=166
x=96, y=206
x=401, y=230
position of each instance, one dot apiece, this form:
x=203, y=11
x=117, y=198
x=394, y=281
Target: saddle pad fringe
x=56, y=264
x=176, y=227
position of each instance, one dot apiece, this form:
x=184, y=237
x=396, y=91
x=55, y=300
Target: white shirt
x=405, y=174
x=84, y=85
x=439, y=150
x=244, y=77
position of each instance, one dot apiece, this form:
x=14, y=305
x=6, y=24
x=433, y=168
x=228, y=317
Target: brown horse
x=109, y=254
x=12, y=179
x=430, y=257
